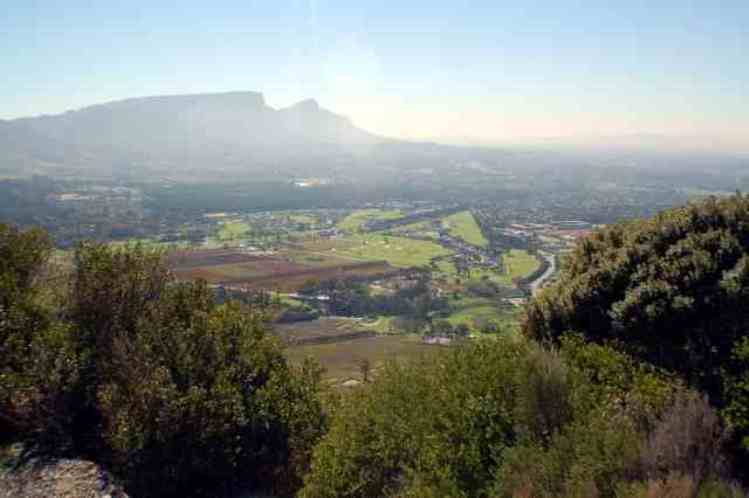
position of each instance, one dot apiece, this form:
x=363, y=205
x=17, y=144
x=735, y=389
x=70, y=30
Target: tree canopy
x=176, y=393
x=672, y=290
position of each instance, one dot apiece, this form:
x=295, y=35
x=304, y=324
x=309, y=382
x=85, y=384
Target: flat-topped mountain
x=237, y=131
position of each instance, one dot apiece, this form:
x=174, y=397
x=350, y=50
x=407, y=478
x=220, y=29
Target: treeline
x=346, y=297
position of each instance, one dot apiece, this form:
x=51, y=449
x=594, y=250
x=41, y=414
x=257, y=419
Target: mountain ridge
x=230, y=130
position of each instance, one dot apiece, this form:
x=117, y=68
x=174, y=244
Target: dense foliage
x=672, y=290
x=178, y=394
x=507, y=418
x=612, y=393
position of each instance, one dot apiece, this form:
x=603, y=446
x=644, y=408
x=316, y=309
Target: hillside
x=233, y=132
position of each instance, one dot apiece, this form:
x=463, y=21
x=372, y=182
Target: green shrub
x=176, y=394
x=428, y=428
x=672, y=290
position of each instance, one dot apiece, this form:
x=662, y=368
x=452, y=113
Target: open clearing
x=398, y=251
x=519, y=263
x=464, y=226
x=341, y=360
x=477, y=312
x=276, y=272
x=320, y=331
x=353, y=222
x=423, y=229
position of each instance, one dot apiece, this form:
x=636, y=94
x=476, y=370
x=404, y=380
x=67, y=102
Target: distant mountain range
x=235, y=132
x=237, y=136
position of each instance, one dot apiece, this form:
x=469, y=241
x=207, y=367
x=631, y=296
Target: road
x=535, y=286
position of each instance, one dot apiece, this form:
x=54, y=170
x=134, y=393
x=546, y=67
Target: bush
x=428, y=428
x=37, y=362
x=494, y=417
x=177, y=394
x=672, y=290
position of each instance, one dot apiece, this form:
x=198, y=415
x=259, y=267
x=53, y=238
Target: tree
x=672, y=290
x=188, y=394
x=37, y=363
x=152, y=377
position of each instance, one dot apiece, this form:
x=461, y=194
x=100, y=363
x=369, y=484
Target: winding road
x=535, y=286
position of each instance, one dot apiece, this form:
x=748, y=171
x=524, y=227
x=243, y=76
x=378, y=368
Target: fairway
x=477, y=312
x=423, y=229
x=519, y=263
x=474, y=312
x=464, y=226
x=398, y=251
x=353, y=222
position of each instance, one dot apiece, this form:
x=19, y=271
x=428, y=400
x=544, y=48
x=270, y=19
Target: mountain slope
x=234, y=131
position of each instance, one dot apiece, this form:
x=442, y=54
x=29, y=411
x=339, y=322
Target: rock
x=64, y=478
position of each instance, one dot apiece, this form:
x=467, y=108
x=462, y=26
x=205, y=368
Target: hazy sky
x=490, y=71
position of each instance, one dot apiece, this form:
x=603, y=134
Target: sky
x=453, y=71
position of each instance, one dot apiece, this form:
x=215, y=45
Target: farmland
x=463, y=225
x=283, y=273
x=342, y=359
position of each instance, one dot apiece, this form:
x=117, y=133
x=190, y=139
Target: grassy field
x=321, y=329
x=353, y=222
x=342, y=360
x=464, y=225
x=421, y=228
x=301, y=218
x=519, y=263
x=232, y=230
x=475, y=312
x=398, y=251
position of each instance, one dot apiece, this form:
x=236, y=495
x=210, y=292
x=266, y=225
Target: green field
x=232, y=230
x=301, y=218
x=353, y=222
x=464, y=226
x=420, y=228
x=398, y=251
x=519, y=263
x=476, y=312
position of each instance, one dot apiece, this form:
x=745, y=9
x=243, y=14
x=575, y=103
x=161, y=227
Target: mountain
x=233, y=132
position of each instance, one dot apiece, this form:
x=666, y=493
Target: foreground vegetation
x=506, y=418
x=672, y=290
x=176, y=393
x=630, y=381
